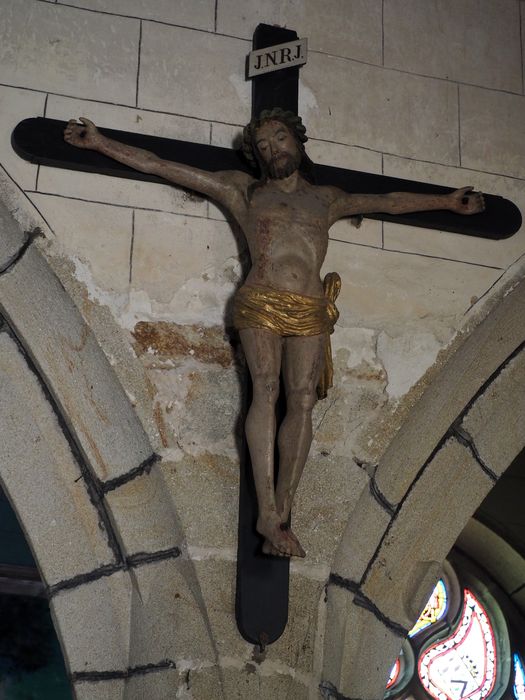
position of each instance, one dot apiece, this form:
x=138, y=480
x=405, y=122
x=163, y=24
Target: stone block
x=98, y=235
x=376, y=109
x=462, y=43
x=366, y=525
x=246, y=684
x=341, y=27
x=12, y=238
x=374, y=292
x=113, y=190
x=206, y=483
x=492, y=131
x=217, y=585
x=101, y=690
x=78, y=375
x=144, y=514
x=192, y=13
x=164, y=685
x=328, y=491
x=423, y=532
x=359, y=650
x=173, y=81
x=168, y=615
x=442, y=244
x=42, y=478
x=296, y=646
x=54, y=48
x=93, y=623
x=16, y=105
x=187, y=266
x=495, y=419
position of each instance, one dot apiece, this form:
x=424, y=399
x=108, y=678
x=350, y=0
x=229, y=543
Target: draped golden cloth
x=290, y=314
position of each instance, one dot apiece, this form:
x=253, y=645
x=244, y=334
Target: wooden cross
x=262, y=581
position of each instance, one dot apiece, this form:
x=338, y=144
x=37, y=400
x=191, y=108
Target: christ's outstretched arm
x=221, y=186
x=462, y=201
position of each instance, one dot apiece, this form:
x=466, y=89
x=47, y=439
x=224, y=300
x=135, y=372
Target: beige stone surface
x=375, y=293
x=495, y=419
x=217, y=585
x=214, y=479
x=16, y=105
x=192, y=13
x=349, y=28
x=99, y=235
x=366, y=525
x=105, y=690
x=499, y=253
x=144, y=514
x=187, y=266
x=161, y=685
x=93, y=623
x=492, y=131
x=376, y=109
x=455, y=41
x=497, y=557
x=77, y=373
x=246, y=684
x=423, y=532
x=42, y=477
x=54, y=48
x=353, y=637
x=141, y=121
x=12, y=238
x=172, y=81
x=168, y=615
x=449, y=392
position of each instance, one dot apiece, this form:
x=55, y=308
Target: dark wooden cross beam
x=262, y=581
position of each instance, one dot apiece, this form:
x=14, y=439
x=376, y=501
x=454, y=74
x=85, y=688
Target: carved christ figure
x=282, y=311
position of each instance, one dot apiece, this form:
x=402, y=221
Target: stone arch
x=84, y=480
x=457, y=440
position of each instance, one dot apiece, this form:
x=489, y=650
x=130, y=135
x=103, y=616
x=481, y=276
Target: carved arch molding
x=459, y=438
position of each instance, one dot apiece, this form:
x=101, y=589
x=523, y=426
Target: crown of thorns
x=291, y=120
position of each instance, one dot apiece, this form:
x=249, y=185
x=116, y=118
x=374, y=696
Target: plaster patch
x=406, y=358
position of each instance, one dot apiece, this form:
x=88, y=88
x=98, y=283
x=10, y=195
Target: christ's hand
x=466, y=201
x=85, y=135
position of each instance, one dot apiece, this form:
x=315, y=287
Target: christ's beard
x=284, y=167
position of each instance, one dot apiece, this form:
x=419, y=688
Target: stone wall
x=416, y=89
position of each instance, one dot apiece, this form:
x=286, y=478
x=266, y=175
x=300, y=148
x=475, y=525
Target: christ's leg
x=302, y=365
x=263, y=351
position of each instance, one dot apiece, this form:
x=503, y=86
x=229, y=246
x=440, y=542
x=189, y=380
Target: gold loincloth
x=289, y=314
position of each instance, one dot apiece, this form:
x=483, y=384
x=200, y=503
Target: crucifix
x=283, y=313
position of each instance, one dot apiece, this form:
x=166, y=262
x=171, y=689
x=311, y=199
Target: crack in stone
x=97, y=676
x=465, y=439
x=381, y=498
x=132, y=562
x=363, y=601
x=143, y=468
x=16, y=257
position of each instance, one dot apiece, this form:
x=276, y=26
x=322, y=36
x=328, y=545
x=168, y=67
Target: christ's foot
x=280, y=540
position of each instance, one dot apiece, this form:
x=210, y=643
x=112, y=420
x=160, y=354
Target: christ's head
x=274, y=141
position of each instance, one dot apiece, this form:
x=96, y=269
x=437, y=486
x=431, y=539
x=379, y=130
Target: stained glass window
x=394, y=674
x=519, y=678
x=464, y=664
x=434, y=610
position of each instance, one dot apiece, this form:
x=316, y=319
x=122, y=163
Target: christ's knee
x=301, y=400
x=265, y=389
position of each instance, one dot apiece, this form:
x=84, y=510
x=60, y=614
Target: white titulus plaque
x=294, y=53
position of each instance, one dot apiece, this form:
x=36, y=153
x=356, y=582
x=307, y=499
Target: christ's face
x=277, y=148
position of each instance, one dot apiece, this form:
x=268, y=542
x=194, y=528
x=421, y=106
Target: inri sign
x=277, y=57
